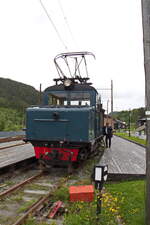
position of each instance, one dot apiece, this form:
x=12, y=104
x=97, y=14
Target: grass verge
x=121, y=203
x=130, y=198
x=135, y=139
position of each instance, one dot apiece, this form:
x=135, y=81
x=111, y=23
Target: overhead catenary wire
x=53, y=24
x=66, y=21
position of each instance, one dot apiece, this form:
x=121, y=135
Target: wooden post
x=146, y=40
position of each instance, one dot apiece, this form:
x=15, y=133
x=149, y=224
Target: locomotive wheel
x=43, y=166
x=70, y=168
x=83, y=155
x=102, y=143
x=76, y=165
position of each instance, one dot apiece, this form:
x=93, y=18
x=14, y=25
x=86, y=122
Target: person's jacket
x=109, y=131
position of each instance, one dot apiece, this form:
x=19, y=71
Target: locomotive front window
x=69, y=98
x=55, y=99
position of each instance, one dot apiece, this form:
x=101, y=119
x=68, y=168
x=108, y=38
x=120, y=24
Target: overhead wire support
x=66, y=61
x=76, y=64
x=53, y=24
x=77, y=68
x=86, y=66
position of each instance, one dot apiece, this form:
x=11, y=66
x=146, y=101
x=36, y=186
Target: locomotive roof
x=77, y=87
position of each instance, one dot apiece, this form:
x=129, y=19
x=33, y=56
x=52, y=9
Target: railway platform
x=12, y=155
x=124, y=158
x=11, y=143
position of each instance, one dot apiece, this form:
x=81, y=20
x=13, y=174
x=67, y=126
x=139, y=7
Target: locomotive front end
x=61, y=129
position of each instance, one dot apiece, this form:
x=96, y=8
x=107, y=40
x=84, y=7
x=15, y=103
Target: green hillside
x=15, y=97
x=135, y=115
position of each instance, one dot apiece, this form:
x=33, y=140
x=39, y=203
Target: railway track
x=20, y=200
x=21, y=184
x=9, y=139
x=30, y=195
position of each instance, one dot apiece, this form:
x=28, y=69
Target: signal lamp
x=100, y=176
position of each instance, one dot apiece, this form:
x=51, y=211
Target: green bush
x=11, y=119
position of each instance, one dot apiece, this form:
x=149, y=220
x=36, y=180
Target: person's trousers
x=108, y=141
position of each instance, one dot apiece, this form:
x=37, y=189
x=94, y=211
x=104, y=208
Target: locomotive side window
x=80, y=103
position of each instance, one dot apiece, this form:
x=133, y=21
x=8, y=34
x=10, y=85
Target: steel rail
x=9, y=139
x=36, y=205
x=32, y=209
x=13, y=188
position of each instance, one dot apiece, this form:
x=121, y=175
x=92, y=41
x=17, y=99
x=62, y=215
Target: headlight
x=67, y=83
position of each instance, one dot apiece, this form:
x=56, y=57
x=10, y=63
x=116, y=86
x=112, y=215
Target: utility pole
x=109, y=89
x=107, y=109
x=107, y=106
x=129, y=122
x=146, y=40
x=111, y=97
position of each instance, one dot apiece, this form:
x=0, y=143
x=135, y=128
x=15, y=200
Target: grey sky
x=112, y=30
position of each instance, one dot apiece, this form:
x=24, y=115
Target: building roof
x=142, y=119
x=119, y=121
x=140, y=128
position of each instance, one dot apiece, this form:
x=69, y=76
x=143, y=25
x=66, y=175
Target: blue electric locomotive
x=67, y=127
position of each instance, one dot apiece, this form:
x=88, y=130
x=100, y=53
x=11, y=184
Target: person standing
x=108, y=132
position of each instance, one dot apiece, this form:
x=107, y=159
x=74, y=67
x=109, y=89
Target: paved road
x=124, y=157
